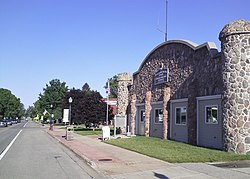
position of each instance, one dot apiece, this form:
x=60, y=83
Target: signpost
x=120, y=121
x=65, y=115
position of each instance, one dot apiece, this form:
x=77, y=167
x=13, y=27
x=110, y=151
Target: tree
x=86, y=87
x=113, y=84
x=51, y=98
x=10, y=105
x=87, y=106
x=30, y=112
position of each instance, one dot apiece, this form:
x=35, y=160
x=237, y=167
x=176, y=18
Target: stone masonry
x=133, y=114
x=147, y=113
x=235, y=45
x=187, y=65
x=166, y=98
x=196, y=71
x=124, y=80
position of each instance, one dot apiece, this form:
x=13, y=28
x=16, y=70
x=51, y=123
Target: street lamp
x=70, y=101
x=51, y=120
x=52, y=114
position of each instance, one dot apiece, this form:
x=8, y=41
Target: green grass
x=84, y=131
x=174, y=152
x=87, y=131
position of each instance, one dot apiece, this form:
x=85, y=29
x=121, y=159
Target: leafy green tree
x=10, y=105
x=113, y=84
x=51, y=98
x=30, y=112
x=87, y=106
x=20, y=110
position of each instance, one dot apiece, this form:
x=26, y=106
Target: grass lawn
x=88, y=131
x=174, y=152
x=84, y=131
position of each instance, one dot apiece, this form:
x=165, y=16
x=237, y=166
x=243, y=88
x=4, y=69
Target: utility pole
x=166, y=32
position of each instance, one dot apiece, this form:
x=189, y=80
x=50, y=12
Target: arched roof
x=210, y=46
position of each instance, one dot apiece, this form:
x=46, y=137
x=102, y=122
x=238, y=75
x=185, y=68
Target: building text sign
x=161, y=76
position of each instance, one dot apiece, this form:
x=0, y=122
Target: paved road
x=7, y=134
x=34, y=154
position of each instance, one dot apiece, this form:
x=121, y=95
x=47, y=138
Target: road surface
x=27, y=151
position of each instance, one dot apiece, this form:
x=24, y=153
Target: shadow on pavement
x=158, y=175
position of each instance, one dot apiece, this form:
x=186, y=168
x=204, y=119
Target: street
x=35, y=154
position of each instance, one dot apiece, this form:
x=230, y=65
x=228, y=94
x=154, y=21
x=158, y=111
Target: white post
x=115, y=126
x=107, y=115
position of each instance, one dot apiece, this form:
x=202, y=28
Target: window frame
x=217, y=118
x=180, y=124
x=142, y=110
x=161, y=122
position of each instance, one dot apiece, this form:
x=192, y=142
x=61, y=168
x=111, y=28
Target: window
x=158, y=115
x=142, y=115
x=181, y=115
x=211, y=114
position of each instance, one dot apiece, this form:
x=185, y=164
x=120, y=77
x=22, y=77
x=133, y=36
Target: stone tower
x=124, y=80
x=235, y=51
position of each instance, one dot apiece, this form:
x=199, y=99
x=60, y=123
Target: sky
x=89, y=41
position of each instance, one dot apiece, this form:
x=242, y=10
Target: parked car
x=9, y=122
x=13, y=121
x=3, y=124
x=91, y=125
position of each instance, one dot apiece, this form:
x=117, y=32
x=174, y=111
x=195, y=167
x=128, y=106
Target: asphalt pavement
x=36, y=155
x=114, y=162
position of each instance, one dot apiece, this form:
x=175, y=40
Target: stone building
x=195, y=94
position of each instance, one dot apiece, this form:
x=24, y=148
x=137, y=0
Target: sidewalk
x=114, y=162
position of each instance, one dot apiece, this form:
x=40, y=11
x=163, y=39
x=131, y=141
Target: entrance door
x=209, y=122
x=179, y=130
x=156, y=119
x=141, y=120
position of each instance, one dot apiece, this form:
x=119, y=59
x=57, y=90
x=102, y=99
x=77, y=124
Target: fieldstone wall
x=193, y=71
x=133, y=114
x=166, y=98
x=201, y=71
x=185, y=65
x=124, y=80
x=235, y=45
x=147, y=113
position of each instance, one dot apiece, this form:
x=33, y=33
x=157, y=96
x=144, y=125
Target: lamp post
x=70, y=101
x=52, y=114
x=51, y=120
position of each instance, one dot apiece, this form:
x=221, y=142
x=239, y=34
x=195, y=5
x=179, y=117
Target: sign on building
x=161, y=76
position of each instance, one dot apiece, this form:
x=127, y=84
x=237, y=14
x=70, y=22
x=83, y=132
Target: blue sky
x=79, y=41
